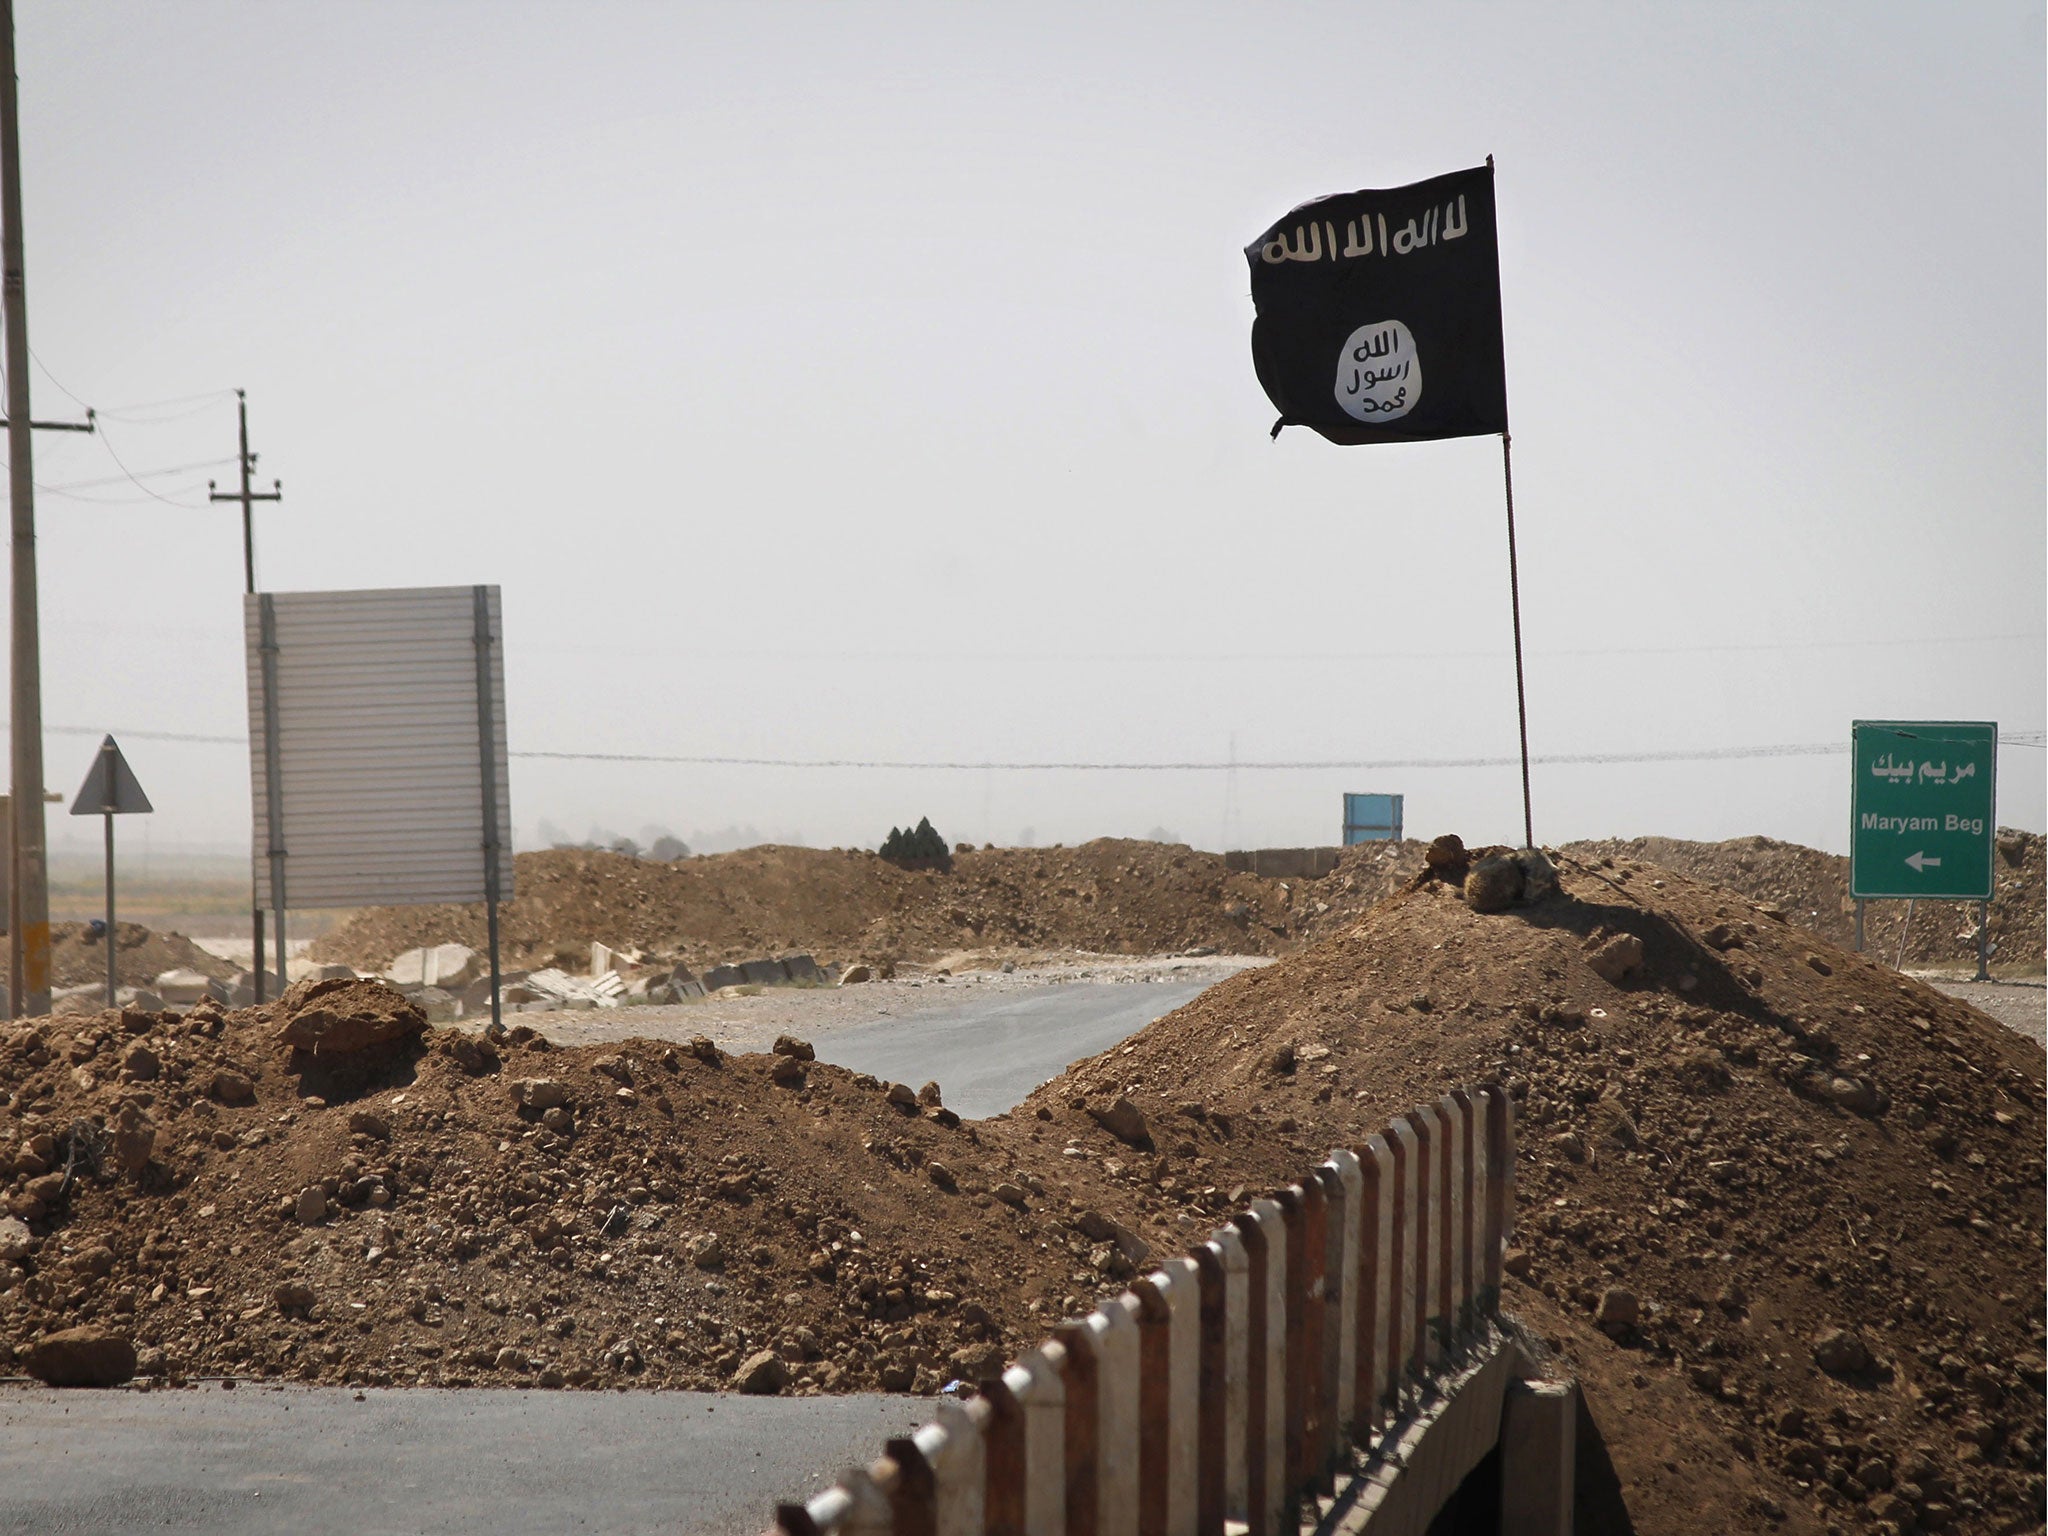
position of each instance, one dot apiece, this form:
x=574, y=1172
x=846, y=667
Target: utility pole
x=28, y=927
x=248, y=498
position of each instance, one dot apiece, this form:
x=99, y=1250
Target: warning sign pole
x=110, y=789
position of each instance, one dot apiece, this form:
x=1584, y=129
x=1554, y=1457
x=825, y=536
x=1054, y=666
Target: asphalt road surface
x=317, y=1462
x=314, y=1461
x=987, y=1054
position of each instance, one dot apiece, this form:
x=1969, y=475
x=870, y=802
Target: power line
x=1040, y=658
x=2037, y=739
x=130, y=475
x=140, y=474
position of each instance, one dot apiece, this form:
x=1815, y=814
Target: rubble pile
x=78, y=956
x=1780, y=1208
x=1110, y=896
x=1812, y=888
x=328, y=1189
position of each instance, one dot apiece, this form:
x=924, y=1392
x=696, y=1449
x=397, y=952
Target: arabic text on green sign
x=1923, y=809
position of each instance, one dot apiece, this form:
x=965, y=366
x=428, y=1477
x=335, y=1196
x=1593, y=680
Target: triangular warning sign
x=110, y=787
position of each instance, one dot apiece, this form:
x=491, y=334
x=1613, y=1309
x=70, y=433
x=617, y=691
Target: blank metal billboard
x=388, y=706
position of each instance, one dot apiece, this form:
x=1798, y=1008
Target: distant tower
x=1233, y=816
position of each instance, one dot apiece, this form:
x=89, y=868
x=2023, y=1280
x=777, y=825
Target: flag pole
x=1507, y=465
x=1507, y=470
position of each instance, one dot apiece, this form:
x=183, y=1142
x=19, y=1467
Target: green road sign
x=1923, y=819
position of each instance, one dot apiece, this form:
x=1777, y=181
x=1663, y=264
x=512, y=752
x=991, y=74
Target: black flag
x=1379, y=313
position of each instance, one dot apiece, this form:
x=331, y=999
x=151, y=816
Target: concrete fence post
x=1212, y=1390
x=1115, y=1325
x=870, y=1511
x=1003, y=1441
x=1326, y=1379
x=1169, y=1345
x=1450, y=1216
x=822, y=1516
x=1349, y=1197
x=1264, y=1229
x=1229, y=1246
x=1081, y=1433
x=1500, y=1188
x=1401, y=1276
x=1293, y=1203
x=1036, y=1384
x=951, y=1446
x=1471, y=1144
x=1375, y=1165
x=1215, y=1393
x=913, y=1496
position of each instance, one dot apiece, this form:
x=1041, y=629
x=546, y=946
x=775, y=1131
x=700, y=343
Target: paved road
x=316, y=1462
x=2020, y=1004
x=986, y=1055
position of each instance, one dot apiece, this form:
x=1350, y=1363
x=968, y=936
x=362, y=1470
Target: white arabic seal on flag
x=1379, y=376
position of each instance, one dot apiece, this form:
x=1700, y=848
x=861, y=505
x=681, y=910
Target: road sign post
x=110, y=789
x=1923, y=811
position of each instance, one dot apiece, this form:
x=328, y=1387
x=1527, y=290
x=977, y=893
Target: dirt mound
x=458, y=1212
x=1805, y=1193
x=140, y=956
x=1111, y=896
x=1813, y=890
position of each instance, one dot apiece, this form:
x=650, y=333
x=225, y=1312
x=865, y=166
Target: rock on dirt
x=81, y=1357
x=342, y=1017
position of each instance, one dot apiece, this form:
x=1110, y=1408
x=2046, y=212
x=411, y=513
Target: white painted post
x=1451, y=1284
x=1229, y=1248
x=1379, y=1307
x=1343, y=1339
x=1041, y=1391
x=868, y=1512
x=1179, y=1285
x=1271, y=1445
x=1429, y=1216
x=953, y=1448
x=829, y=1510
x=1115, y=1326
x=1475, y=1221
x=1403, y=1284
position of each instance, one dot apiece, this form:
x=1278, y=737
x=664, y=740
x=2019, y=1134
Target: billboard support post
x=486, y=736
x=273, y=781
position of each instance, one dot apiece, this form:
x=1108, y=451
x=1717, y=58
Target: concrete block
x=803, y=968
x=722, y=976
x=763, y=973
x=1538, y=1445
x=181, y=988
x=448, y=966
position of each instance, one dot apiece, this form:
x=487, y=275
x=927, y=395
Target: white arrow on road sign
x=1920, y=861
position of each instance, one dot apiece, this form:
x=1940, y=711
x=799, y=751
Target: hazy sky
x=872, y=382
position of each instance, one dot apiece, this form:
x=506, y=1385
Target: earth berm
x=1779, y=1208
